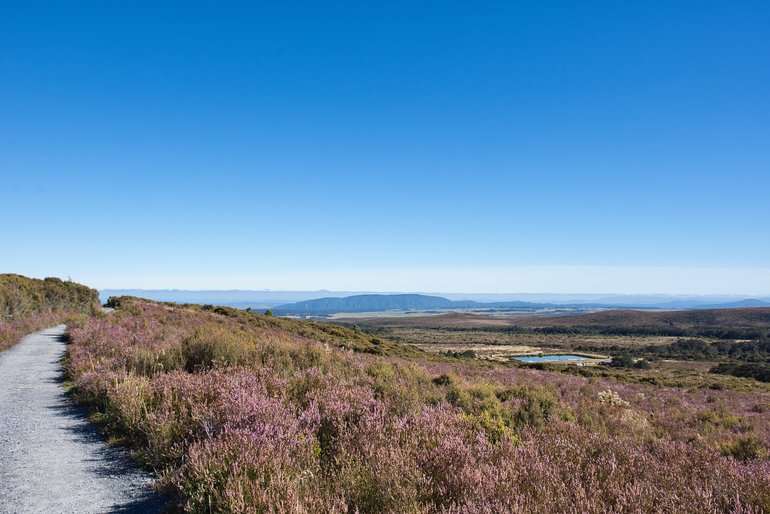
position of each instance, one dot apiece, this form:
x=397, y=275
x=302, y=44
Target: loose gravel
x=52, y=459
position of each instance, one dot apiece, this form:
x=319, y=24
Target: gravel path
x=51, y=457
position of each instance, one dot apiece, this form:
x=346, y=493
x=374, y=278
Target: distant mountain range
x=321, y=303
x=749, y=302
x=419, y=302
x=230, y=298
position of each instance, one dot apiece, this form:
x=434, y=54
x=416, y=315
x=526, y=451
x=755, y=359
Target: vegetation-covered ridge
x=743, y=323
x=28, y=304
x=241, y=412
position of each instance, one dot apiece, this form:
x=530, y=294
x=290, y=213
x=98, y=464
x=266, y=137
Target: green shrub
x=745, y=447
x=719, y=417
x=537, y=408
x=212, y=345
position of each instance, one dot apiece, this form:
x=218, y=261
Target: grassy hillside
x=28, y=304
x=342, y=337
x=241, y=412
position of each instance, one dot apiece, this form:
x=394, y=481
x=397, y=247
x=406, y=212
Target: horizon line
x=421, y=292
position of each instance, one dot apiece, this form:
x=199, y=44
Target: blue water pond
x=551, y=358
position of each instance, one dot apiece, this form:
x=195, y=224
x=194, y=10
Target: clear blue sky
x=162, y=144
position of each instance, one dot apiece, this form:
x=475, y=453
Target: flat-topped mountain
x=386, y=302
x=366, y=303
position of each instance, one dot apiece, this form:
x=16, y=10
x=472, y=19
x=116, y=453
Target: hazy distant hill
x=736, y=305
x=366, y=303
x=386, y=302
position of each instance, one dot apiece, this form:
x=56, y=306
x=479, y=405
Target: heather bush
x=253, y=463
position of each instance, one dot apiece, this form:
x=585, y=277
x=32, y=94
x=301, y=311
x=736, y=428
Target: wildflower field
x=241, y=412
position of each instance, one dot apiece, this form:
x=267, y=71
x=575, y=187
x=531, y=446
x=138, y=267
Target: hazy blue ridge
x=371, y=302
x=749, y=302
x=320, y=303
x=376, y=303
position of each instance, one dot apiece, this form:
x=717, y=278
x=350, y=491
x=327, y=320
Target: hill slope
x=716, y=318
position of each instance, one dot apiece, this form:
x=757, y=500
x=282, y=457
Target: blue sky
x=442, y=146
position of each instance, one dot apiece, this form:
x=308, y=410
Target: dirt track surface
x=51, y=457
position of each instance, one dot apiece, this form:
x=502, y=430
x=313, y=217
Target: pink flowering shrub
x=238, y=413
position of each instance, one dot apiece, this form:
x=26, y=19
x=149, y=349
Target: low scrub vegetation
x=700, y=350
x=757, y=371
x=27, y=305
x=241, y=412
x=748, y=359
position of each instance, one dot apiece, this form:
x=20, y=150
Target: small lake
x=550, y=358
